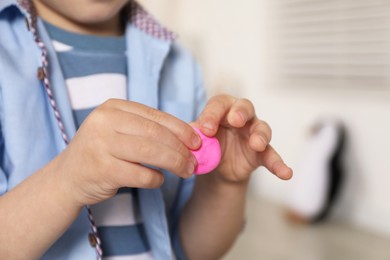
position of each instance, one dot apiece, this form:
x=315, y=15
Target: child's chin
x=95, y=12
x=95, y=17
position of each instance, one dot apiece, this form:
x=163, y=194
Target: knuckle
x=107, y=103
x=96, y=118
x=219, y=101
x=110, y=102
x=145, y=179
x=99, y=114
x=179, y=163
x=210, y=113
x=214, y=102
x=183, y=130
x=248, y=103
x=153, y=129
x=181, y=149
x=145, y=149
x=155, y=114
x=222, y=97
x=149, y=179
x=245, y=100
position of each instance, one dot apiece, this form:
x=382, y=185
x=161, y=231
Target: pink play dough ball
x=208, y=155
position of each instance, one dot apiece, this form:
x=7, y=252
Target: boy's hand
x=114, y=143
x=244, y=139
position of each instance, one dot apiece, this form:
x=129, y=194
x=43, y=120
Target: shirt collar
x=138, y=16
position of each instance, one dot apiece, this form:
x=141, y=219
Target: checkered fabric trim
x=138, y=16
x=147, y=23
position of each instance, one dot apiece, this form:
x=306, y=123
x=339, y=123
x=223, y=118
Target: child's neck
x=112, y=27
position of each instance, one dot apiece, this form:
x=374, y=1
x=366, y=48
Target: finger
x=140, y=126
x=214, y=114
x=182, y=130
x=260, y=135
x=274, y=163
x=126, y=174
x=142, y=150
x=241, y=112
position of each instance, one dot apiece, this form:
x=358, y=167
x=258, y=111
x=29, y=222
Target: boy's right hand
x=114, y=143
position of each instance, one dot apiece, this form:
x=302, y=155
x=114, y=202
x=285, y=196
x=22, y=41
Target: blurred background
x=299, y=61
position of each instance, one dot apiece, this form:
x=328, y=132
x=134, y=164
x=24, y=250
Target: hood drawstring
x=43, y=76
x=140, y=19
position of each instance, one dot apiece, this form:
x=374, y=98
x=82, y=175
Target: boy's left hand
x=243, y=137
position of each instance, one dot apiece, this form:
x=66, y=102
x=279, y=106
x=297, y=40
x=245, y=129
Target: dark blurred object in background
x=318, y=179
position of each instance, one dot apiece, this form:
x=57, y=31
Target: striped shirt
x=95, y=69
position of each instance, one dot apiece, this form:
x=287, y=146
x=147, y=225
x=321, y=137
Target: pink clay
x=208, y=155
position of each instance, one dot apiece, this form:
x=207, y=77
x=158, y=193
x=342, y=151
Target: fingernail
x=262, y=141
x=208, y=125
x=192, y=165
x=190, y=168
x=196, y=140
x=243, y=117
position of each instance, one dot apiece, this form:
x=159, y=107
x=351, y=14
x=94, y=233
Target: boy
x=46, y=184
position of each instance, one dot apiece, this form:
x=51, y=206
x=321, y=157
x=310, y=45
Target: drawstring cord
x=143, y=21
x=43, y=75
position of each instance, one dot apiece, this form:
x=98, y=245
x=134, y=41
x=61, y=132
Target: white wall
x=232, y=41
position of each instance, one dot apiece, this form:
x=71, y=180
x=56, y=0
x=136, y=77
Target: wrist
x=65, y=192
x=218, y=178
x=215, y=183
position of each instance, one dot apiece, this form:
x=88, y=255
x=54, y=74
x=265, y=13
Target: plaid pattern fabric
x=146, y=23
x=137, y=15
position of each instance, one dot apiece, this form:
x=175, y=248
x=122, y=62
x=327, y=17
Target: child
x=70, y=65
